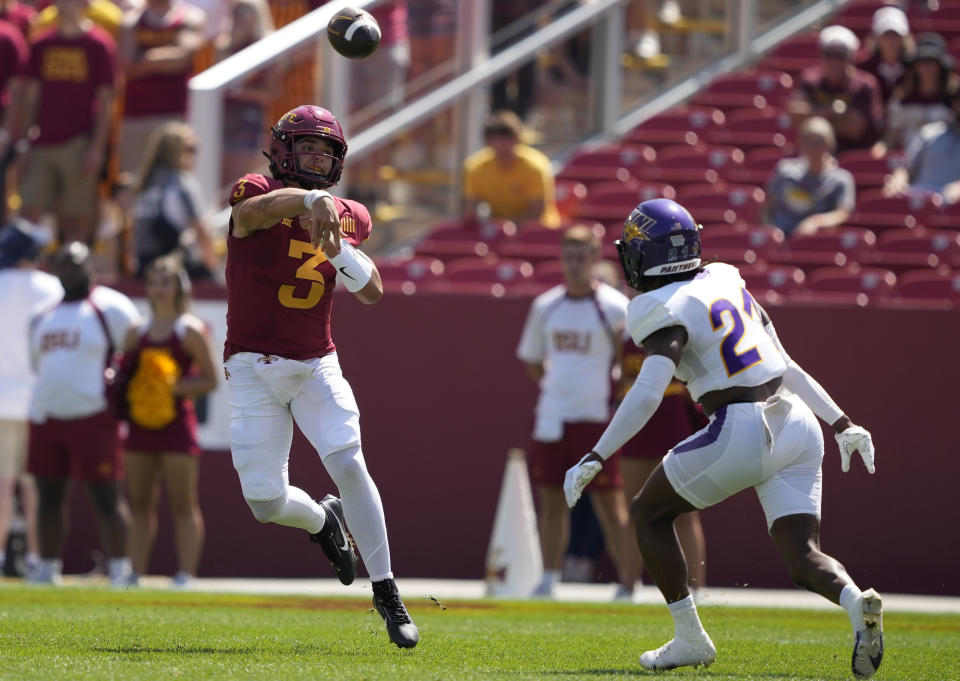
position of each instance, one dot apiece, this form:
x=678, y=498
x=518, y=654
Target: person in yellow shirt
x=512, y=178
x=103, y=13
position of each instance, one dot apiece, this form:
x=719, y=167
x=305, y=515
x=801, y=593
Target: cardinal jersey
x=726, y=345
x=279, y=286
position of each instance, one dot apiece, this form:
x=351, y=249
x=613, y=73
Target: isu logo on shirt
x=571, y=341
x=65, y=64
x=60, y=340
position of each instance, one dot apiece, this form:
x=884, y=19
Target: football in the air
x=354, y=33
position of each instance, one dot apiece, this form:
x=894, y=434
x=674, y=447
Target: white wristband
x=311, y=197
x=354, y=269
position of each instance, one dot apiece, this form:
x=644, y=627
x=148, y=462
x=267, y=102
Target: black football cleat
x=334, y=541
x=401, y=629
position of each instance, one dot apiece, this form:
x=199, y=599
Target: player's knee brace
x=347, y=468
x=266, y=511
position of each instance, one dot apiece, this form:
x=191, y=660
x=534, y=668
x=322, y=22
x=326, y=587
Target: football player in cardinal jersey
x=290, y=243
x=701, y=324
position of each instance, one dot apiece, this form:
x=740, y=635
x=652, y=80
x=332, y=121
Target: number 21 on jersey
x=734, y=359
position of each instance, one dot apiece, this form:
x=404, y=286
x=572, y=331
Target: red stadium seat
x=607, y=164
x=904, y=249
x=759, y=164
x=461, y=239
x=763, y=240
x=755, y=89
x=720, y=202
x=539, y=243
x=752, y=128
x=878, y=212
x=832, y=246
x=947, y=218
x=681, y=125
x=945, y=21
x=610, y=202
x=569, y=196
x=929, y=285
x=869, y=172
x=406, y=273
x=486, y=276
x=680, y=164
x=769, y=282
x=851, y=284
x=794, y=55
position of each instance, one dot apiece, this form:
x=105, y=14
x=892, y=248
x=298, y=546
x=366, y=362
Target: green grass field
x=100, y=634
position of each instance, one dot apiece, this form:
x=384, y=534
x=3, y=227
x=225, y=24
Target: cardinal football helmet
x=287, y=164
x=660, y=238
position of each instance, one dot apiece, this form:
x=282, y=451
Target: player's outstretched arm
x=850, y=437
x=262, y=211
x=663, y=353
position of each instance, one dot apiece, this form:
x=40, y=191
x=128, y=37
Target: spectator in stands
x=14, y=56
x=170, y=363
x=157, y=47
x=838, y=91
x=677, y=418
x=246, y=106
x=889, y=49
x=932, y=161
x=570, y=342
x=69, y=93
x=514, y=180
x=810, y=192
x=25, y=293
x=925, y=93
x=511, y=22
x=19, y=14
x=168, y=206
x=73, y=431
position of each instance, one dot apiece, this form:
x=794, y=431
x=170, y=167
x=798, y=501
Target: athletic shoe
x=543, y=590
x=335, y=541
x=181, y=580
x=680, y=652
x=868, y=644
x=401, y=629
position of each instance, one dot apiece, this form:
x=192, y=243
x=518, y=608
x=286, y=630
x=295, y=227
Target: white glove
x=857, y=439
x=578, y=477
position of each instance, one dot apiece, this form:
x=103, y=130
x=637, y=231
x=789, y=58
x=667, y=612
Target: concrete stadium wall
x=442, y=399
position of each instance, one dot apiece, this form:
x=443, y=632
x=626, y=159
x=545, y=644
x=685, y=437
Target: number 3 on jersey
x=306, y=271
x=733, y=360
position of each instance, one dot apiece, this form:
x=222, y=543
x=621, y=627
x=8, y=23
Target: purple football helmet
x=660, y=238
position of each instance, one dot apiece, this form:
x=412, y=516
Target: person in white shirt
x=25, y=292
x=73, y=431
x=570, y=344
x=701, y=324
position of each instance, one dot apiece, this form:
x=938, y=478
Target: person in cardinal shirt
x=73, y=432
x=290, y=243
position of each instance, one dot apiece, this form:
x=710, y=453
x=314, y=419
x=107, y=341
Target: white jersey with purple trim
x=726, y=346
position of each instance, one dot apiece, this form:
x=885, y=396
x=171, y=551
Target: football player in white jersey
x=702, y=325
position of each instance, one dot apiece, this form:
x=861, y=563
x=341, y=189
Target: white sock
x=551, y=577
x=362, y=510
x=850, y=599
x=685, y=619
x=118, y=568
x=295, y=509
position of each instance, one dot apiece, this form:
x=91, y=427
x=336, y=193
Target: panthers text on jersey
x=726, y=343
x=279, y=285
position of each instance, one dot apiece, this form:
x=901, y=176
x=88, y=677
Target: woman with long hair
x=170, y=363
x=168, y=205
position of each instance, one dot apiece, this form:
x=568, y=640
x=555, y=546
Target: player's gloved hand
x=856, y=439
x=579, y=476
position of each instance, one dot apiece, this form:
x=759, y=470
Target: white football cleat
x=868, y=641
x=679, y=652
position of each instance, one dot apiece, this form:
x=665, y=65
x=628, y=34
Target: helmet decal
x=659, y=238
